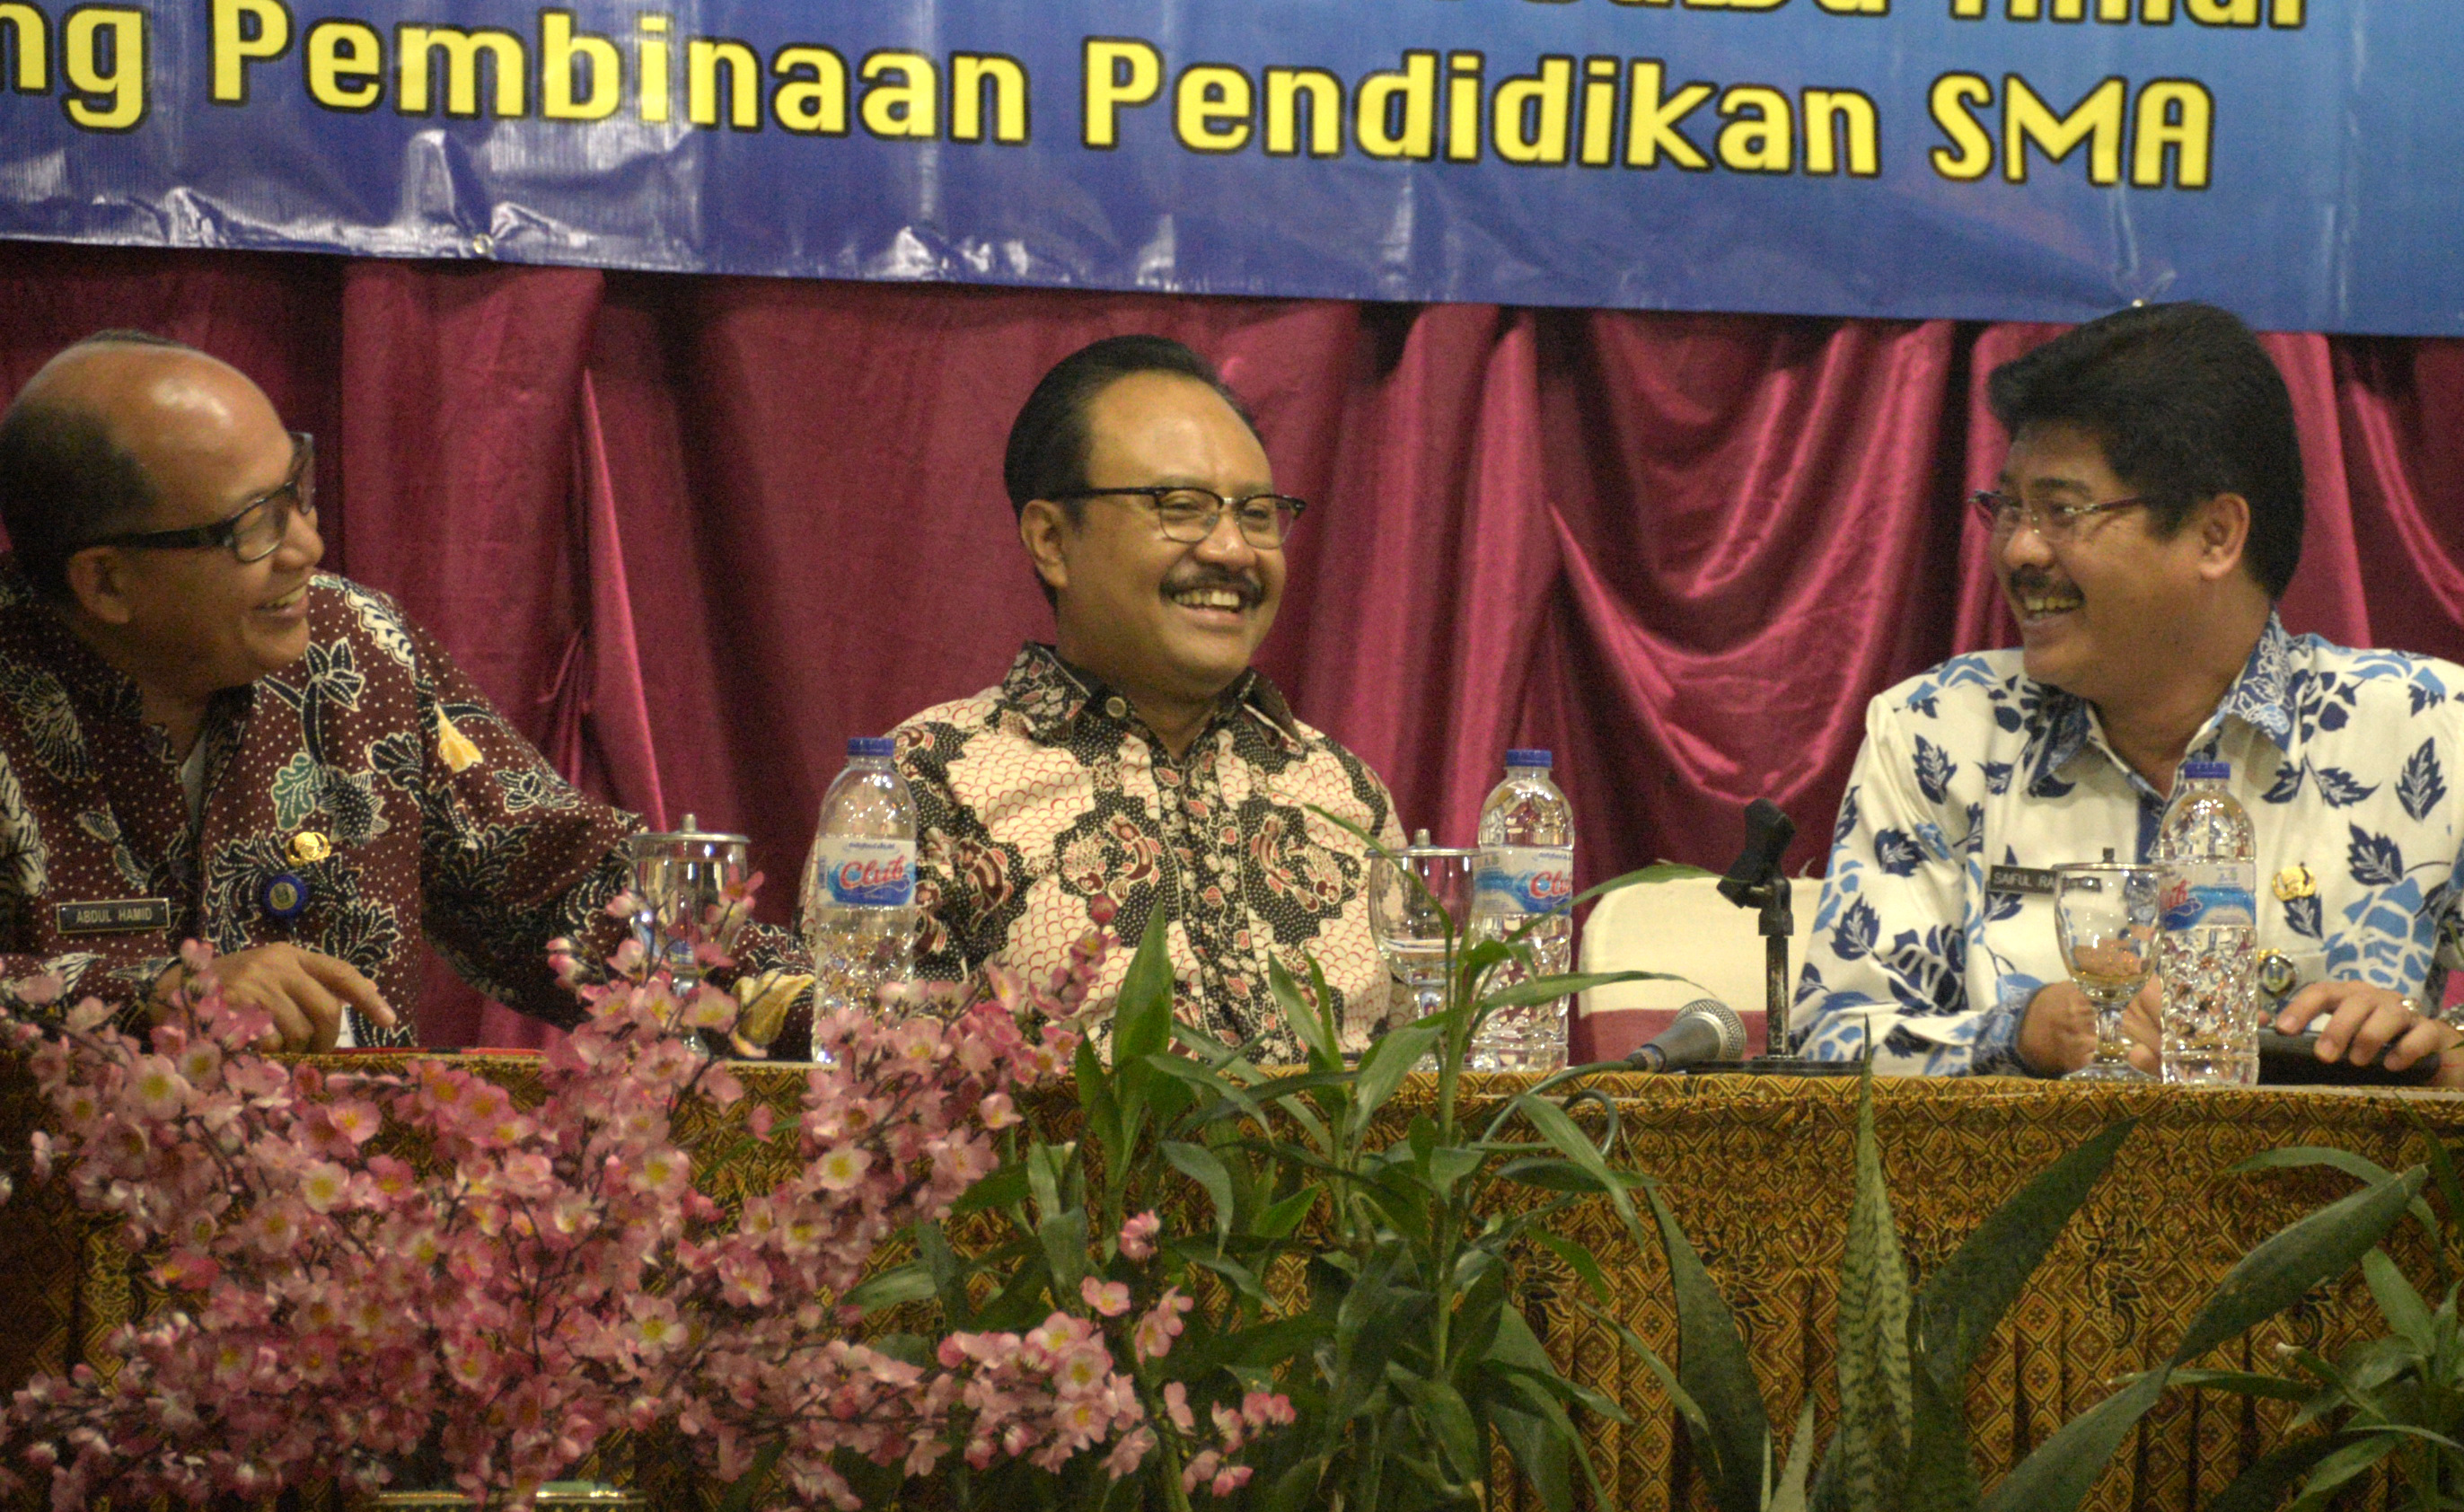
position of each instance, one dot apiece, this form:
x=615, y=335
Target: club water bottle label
x=1523, y=879
x=2209, y=894
x=868, y=874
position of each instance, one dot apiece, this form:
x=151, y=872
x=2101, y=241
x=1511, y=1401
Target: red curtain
x=691, y=533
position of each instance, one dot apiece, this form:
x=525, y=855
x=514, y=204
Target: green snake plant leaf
x=1789, y=1494
x=2323, y=1244
x=1875, y=1393
x=1716, y=1372
x=1942, y=1476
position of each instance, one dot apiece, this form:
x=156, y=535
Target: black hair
x=64, y=481
x=1048, y=442
x=2187, y=405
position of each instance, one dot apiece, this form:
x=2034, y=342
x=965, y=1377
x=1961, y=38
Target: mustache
x=2037, y=580
x=1252, y=591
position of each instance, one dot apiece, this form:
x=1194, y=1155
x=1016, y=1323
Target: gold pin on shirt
x=309, y=846
x=2296, y=882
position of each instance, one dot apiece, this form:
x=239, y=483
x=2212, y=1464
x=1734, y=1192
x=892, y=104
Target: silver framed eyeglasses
x=2054, y=523
x=255, y=530
x=1189, y=514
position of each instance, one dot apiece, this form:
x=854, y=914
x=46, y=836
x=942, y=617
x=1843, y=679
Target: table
x=1757, y=1170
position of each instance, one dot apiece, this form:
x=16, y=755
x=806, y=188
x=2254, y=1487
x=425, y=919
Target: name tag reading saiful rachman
x=113, y=915
x=2036, y=880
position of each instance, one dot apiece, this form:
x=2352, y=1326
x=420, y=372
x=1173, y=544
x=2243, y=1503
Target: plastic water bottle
x=2207, y=956
x=1527, y=869
x=859, y=893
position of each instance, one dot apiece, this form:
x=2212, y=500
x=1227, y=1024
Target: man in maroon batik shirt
x=201, y=737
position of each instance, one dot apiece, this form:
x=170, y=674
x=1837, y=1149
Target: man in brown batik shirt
x=1140, y=762
x=201, y=737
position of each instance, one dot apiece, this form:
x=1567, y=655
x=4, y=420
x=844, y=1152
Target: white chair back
x=1687, y=928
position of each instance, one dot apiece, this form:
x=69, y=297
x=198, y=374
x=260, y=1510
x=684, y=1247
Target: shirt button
x=1116, y=708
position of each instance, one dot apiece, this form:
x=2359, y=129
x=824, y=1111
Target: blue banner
x=2296, y=160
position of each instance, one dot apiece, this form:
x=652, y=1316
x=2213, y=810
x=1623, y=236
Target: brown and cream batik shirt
x=1046, y=805
x=362, y=798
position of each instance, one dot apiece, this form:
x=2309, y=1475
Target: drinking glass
x=2105, y=914
x=689, y=889
x=1409, y=923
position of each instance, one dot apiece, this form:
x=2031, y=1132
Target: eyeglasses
x=2054, y=525
x=1189, y=515
x=257, y=529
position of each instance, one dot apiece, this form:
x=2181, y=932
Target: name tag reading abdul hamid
x=113, y=915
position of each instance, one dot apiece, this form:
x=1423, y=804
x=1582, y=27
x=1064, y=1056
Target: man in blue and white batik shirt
x=2147, y=520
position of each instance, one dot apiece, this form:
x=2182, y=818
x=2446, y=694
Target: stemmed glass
x=1409, y=923
x=2105, y=913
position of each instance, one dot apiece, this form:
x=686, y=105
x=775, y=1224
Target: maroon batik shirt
x=362, y=798
x=1046, y=804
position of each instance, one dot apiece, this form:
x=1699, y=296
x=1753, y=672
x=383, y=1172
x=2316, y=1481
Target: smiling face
x=190, y=622
x=1167, y=623
x=2098, y=613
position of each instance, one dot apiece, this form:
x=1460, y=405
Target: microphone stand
x=1757, y=882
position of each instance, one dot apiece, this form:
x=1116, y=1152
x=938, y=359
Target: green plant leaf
x=2299, y=1256
x=1005, y=1188
x=1296, y=1489
x=1064, y=1235
x=1448, y=1420
x=1712, y=1364
x=756, y=1474
x=1206, y=1167
x=1960, y=1305
x=1284, y=1215
x=1543, y=989
x=2322, y=1245
x=2337, y=1468
x=1551, y=1123
x=1789, y=1494
x=949, y=1274
x=1544, y=1444
x=2248, y=1383
x=2263, y=1487
x=2442, y=1165
x=1578, y=1258
x=1383, y=1069
x=2293, y=1157
x=1875, y=1397
x=1301, y=1020
x=1646, y=876
x=2405, y=1310
x=912, y=1282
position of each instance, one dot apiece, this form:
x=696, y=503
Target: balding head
x=97, y=440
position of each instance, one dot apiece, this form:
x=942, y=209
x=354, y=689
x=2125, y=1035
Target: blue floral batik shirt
x=1932, y=932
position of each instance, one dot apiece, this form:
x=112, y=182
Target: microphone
x=1706, y=1029
x=1768, y=832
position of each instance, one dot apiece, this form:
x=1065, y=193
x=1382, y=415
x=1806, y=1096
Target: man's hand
x=305, y=991
x=2359, y=1021
x=2057, y=1032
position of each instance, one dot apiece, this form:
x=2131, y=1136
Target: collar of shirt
x=2063, y=724
x=97, y=688
x=1054, y=697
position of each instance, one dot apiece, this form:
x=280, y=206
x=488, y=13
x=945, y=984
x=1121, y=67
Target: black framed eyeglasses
x=1189, y=514
x=255, y=530
x=2057, y=524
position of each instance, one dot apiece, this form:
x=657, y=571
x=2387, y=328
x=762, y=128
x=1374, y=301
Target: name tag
x=2037, y=880
x=113, y=915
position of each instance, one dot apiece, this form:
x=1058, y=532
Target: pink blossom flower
x=1138, y=1234
x=1175, y=1406
x=1111, y=1298
x=1152, y=1335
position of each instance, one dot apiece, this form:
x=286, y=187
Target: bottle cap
x=2206, y=771
x=1520, y=757
x=870, y=746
